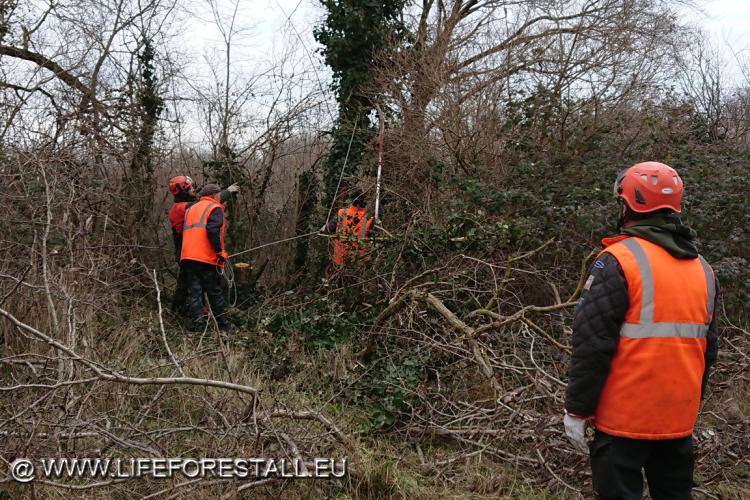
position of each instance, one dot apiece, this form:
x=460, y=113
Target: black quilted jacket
x=596, y=331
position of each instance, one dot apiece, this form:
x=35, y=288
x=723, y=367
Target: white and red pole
x=380, y=163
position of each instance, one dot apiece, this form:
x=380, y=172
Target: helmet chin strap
x=621, y=207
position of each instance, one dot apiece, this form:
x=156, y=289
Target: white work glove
x=234, y=188
x=575, y=429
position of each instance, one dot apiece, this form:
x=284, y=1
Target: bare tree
x=464, y=49
x=702, y=81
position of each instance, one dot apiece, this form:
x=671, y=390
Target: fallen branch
x=310, y=415
x=104, y=373
x=582, y=278
x=161, y=326
x=469, y=337
x=549, y=469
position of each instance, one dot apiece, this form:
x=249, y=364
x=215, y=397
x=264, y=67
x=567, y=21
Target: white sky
x=273, y=48
x=728, y=22
x=276, y=31
x=268, y=28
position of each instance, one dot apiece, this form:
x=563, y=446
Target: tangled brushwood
x=438, y=367
x=478, y=394
x=489, y=133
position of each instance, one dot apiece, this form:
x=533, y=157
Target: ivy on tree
x=149, y=105
x=354, y=34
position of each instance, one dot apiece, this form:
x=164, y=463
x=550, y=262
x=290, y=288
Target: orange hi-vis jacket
x=653, y=389
x=177, y=215
x=195, y=244
x=351, y=229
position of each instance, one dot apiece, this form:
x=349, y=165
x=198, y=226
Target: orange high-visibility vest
x=653, y=388
x=195, y=244
x=351, y=229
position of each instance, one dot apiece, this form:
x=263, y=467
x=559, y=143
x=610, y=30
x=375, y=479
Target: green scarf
x=667, y=232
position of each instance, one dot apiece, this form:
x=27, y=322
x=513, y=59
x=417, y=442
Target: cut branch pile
x=65, y=401
x=496, y=373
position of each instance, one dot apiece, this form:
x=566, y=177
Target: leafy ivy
x=354, y=35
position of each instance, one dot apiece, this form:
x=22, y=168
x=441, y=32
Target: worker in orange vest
x=644, y=339
x=182, y=189
x=203, y=256
x=351, y=225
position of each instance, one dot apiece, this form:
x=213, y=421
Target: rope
x=341, y=175
x=228, y=273
x=330, y=209
x=274, y=243
x=228, y=270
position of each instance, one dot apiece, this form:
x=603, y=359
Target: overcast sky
x=276, y=37
x=728, y=21
x=266, y=27
x=271, y=23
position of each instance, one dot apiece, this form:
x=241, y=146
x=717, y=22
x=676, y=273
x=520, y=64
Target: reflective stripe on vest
x=342, y=227
x=202, y=221
x=646, y=327
x=711, y=282
x=364, y=227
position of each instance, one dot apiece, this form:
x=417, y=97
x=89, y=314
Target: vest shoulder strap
x=632, y=254
x=711, y=284
x=204, y=214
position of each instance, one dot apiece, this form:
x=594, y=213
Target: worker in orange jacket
x=203, y=256
x=183, y=190
x=644, y=339
x=351, y=225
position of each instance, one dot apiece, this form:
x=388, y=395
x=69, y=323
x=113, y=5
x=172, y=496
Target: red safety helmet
x=180, y=184
x=649, y=186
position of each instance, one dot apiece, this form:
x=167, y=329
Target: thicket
x=438, y=366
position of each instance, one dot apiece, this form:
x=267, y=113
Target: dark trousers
x=616, y=465
x=201, y=277
x=180, y=297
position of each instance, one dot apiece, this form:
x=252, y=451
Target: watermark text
x=24, y=470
